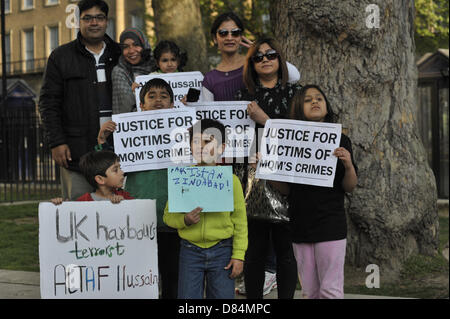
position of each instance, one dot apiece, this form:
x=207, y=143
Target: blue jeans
x=198, y=264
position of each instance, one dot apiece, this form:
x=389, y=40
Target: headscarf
x=124, y=73
x=136, y=35
x=147, y=62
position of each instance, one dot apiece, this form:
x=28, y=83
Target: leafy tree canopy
x=431, y=22
x=431, y=25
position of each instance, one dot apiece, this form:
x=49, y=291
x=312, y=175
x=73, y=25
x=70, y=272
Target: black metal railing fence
x=27, y=171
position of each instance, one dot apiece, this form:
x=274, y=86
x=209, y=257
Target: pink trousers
x=321, y=269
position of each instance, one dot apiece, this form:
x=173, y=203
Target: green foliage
x=431, y=22
x=431, y=25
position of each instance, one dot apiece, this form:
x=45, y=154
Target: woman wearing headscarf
x=136, y=59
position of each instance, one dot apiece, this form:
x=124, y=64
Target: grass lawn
x=421, y=277
x=19, y=233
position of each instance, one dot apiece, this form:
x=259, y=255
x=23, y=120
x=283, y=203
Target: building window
x=53, y=38
x=7, y=6
x=27, y=4
x=29, y=50
x=137, y=21
x=8, y=52
x=111, y=29
x=51, y=2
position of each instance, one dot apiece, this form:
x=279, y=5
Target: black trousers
x=168, y=258
x=259, y=234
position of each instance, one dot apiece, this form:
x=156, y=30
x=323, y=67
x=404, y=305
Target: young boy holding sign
x=102, y=171
x=213, y=244
x=152, y=184
x=317, y=214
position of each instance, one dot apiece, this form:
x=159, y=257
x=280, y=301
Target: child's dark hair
x=210, y=125
x=84, y=5
x=96, y=163
x=297, y=104
x=226, y=17
x=166, y=46
x=155, y=83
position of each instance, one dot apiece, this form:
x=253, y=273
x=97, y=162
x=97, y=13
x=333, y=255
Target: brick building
x=35, y=27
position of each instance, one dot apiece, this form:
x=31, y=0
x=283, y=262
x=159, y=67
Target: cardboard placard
x=299, y=152
x=98, y=250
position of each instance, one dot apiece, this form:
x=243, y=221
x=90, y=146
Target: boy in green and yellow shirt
x=213, y=244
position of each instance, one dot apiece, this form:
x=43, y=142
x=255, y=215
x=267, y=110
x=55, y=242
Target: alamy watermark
x=373, y=280
x=373, y=19
x=73, y=19
x=73, y=276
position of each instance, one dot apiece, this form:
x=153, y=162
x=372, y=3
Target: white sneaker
x=240, y=290
x=270, y=282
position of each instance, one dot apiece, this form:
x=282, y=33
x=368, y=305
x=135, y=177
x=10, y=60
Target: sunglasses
x=270, y=55
x=234, y=33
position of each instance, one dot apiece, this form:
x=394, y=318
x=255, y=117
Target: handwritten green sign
x=208, y=187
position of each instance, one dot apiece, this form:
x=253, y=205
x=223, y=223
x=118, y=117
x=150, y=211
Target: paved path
x=19, y=285
x=25, y=285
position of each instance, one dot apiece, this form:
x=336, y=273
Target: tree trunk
x=180, y=21
x=370, y=78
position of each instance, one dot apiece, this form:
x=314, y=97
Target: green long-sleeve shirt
x=150, y=185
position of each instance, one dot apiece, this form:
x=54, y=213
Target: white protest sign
x=153, y=139
x=180, y=82
x=240, y=128
x=98, y=250
x=299, y=152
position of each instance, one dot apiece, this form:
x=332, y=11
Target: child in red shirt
x=102, y=170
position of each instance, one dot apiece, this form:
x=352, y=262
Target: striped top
x=104, y=98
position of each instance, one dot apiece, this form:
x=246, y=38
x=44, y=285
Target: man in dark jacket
x=76, y=95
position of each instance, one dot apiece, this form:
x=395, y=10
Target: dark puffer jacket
x=68, y=99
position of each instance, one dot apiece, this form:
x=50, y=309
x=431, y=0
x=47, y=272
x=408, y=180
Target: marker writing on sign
x=199, y=182
x=199, y=177
x=126, y=280
x=90, y=277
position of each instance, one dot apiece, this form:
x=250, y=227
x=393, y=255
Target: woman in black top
x=317, y=214
x=265, y=78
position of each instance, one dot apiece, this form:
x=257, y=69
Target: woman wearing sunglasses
x=267, y=86
x=222, y=83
